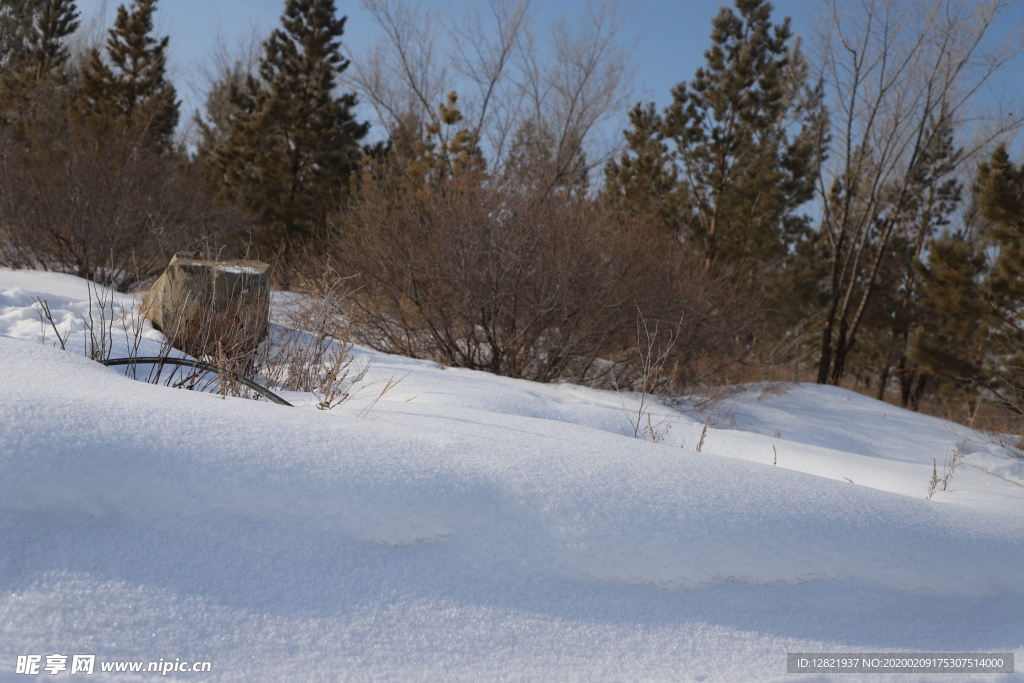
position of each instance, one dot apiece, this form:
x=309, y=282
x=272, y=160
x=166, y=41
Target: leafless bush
x=474, y=277
x=653, y=346
x=542, y=286
x=524, y=286
x=89, y=207
x=102, y=205
x=105, y=321
x=314, y=353
x=99, y=323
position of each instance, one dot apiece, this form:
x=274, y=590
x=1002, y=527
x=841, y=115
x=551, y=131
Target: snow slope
x=479, y=528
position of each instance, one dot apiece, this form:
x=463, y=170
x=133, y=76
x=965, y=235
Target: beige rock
x=199, y=304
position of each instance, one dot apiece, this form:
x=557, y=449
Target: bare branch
x=896, y=73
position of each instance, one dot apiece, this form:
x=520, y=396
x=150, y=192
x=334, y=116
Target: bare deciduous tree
x=404, y=76
x=509, y=80
x=896, y=73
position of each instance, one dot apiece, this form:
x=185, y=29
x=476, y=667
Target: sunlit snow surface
x=471, y=527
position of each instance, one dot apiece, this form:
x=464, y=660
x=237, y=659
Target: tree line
x=845, y=210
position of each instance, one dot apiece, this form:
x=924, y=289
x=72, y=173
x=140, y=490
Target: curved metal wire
x=200, y=365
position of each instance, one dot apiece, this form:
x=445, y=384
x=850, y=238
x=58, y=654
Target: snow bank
x=557, y=497
x=477, y=527
x=82, y=313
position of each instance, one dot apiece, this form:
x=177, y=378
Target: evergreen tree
x=425, y=161
x=32, y=52
x=975, y=283
x=213, y=124
x=129, y=86
x=742, y=136
x=32, y=34
x=445, y=151
x=954, y=347
x=293, y=144
x=644, y=181
x=728, y=164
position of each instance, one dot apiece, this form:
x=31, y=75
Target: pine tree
x=975, y=283
x=213, y=124
x=445, y=151
x=32, y=36
x=129, y=86
x=32, y=53
x=293, y=144
x=953, y=348
x=727, y=165
x=644, y=181
x=744, y=172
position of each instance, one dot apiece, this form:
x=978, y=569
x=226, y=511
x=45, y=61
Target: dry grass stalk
x=985, y=470
x=46, y=316
x=100, y=341
x=703, y=433
x=952, y=461
x=654, y=431
x=227, y=382
x=652, y=353
x=315, y=355
x=934, y=482
x=388, y=386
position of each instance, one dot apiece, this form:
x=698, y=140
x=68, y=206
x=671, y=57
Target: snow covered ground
x=471, y=527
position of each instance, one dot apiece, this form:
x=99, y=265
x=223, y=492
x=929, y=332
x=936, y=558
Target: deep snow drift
x=471, y=527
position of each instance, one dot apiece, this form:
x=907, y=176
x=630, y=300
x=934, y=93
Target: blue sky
x=670, y=35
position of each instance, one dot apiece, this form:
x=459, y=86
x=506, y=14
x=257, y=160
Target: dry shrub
x=518, y=285
x=314, y=353
x=101, y=203
x=538, y=285
x=718, y=347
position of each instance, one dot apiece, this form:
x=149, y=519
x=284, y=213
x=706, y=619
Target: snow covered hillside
x=471, y=527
